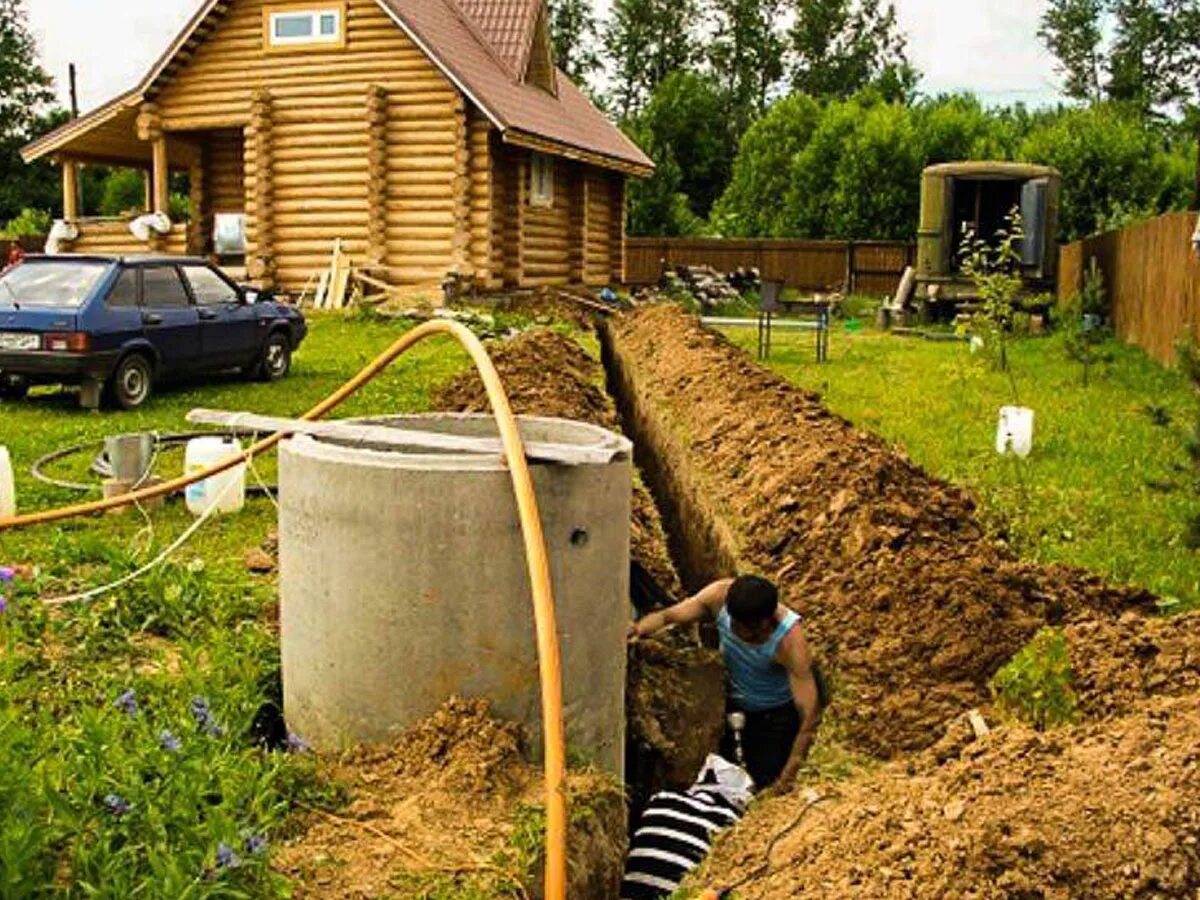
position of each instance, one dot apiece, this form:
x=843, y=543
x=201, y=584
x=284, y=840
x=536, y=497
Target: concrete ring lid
x=534, y=429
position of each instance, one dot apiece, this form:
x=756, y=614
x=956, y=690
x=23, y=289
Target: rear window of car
x=58, y=284
x=124, y=293
x=209, y=288
x=162, y=289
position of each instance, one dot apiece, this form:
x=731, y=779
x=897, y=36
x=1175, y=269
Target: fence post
x=850, y=269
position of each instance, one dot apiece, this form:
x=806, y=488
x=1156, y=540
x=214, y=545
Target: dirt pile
x=454, y=805
x=675, y=698
x=912, y=606
x=1118, y=664
x=1107, y=810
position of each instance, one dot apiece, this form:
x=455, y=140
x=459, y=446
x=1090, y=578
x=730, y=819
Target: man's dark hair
x=752, y=600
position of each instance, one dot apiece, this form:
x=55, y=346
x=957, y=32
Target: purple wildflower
x=127, y=703
x=7, y=574
x=205, y=720
x=226, y=858
x=117, y=805
x=296, y=744
x=3, y=604
x=256, y=844
x=169, y=742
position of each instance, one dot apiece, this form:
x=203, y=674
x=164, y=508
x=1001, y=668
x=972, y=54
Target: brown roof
x=506, y=26
x=480, y=45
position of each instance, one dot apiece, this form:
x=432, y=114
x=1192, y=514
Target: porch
x=207, y=167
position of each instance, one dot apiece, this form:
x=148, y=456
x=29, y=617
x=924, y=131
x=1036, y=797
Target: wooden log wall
x=484, y=247
x=546, y=236
x=225, y=166
x=377, y=176
x=320, y=138
x=111, y=237
x=599, y=246
x=200, y=226
x=578, y=186
x=617, y=241
x=264, y=266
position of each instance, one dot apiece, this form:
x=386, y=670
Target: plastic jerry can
x=8, y=487
x=227, y=491
x=1014, y=434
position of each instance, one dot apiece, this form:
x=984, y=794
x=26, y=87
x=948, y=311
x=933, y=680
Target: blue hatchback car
x=117, y=326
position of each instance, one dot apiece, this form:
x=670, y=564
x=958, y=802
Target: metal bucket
x=129, y=455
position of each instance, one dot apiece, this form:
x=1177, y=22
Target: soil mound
x=452, y=809
x=675, y=695
x=545, y=373
x=1118, y=664
x=912, y=606
x=1107, y=810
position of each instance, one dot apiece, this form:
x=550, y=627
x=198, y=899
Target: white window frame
x=541, y=181
x=314, y=17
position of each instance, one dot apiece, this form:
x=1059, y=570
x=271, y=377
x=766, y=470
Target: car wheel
x=13, y=387
x=276, y=359
x=132, y=382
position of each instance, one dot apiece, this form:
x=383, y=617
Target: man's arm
x=794, y=655
x=705, y=605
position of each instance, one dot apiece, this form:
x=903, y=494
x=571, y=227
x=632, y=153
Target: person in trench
x=770, y=675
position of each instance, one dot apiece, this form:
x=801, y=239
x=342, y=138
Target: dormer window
x=541, y=182
x=293, y=27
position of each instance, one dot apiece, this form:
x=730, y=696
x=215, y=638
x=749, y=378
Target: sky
x=986, y=46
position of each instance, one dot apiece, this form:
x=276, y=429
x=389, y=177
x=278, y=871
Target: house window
x=318, y=26
x=541, y=188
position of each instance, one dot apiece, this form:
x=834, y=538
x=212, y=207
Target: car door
x=169, y=319
x=228, y=326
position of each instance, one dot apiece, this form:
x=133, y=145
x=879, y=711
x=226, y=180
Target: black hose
x=103, y=468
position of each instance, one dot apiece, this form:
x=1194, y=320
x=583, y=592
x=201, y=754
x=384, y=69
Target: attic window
x=541, y=186
x=290, y=28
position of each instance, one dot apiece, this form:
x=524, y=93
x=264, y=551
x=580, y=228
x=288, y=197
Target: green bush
x=30, y=223
x=1036, y=686
x=124, y=192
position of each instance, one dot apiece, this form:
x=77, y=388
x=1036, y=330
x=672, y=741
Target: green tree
x=647, y=40
x=1112, y=160
x=762, y=170
x=840, y=47
x=123, y=190
x=746, y=54
x=680, y=130
x=575, y=34
x=1154, y=61
x=1073, y=32
x=25, y=97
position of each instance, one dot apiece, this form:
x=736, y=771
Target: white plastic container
x=8, y=488
x=1015, y=431
x=226, y=491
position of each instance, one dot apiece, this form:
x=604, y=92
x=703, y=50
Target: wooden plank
x=360, y=434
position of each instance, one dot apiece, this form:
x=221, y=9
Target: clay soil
x=913, y=609
x=675, y=691
x=449, y=808
x=911, y=605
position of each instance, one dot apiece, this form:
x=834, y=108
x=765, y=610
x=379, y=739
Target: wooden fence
x=852, y=267
x=1152, y=275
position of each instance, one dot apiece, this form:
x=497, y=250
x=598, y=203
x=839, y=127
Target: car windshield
x=58, y=284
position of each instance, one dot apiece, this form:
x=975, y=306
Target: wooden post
x=148, y=190
x=377, y=187
x=199, y=229
x=461, y=256
x=70, y=179
x=850, y=268
x=262, y=116
x=149, y=128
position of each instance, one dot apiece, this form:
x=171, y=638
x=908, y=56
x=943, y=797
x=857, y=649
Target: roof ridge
x=477, y=32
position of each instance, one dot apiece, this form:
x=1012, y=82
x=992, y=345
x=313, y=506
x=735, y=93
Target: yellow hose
x=545, y=617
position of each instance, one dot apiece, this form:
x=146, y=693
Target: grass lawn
x=110, y=794
x=1107, y=486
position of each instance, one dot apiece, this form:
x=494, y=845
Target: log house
x=432, y=137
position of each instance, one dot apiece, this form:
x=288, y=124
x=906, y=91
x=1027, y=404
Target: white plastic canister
x=1015, y=431
x=8, y=487
x=226, y=491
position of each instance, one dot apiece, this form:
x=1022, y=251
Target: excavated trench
x=911, y=608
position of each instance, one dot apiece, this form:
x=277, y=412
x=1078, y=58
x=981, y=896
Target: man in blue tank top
x=768, y=672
